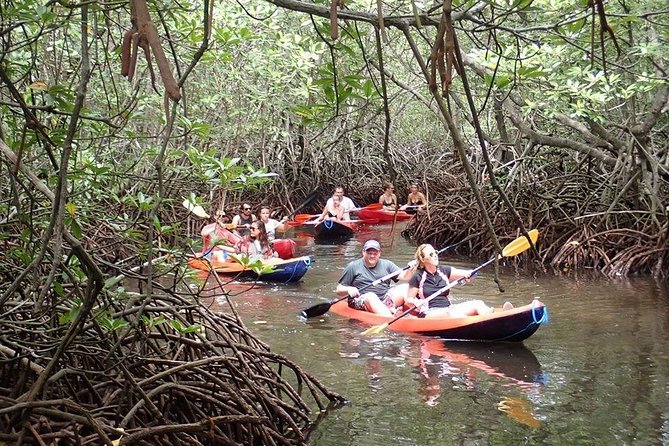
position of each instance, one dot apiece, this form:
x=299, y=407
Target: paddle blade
x=375, y=329
x=305, y=217
x=316, y=310
x=521, y=244
x=195, y=208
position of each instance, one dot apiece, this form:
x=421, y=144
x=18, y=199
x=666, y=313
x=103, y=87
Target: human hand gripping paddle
x=519, y=245
x=322, y=308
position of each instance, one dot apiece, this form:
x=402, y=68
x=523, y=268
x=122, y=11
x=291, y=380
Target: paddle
x=322, y=308
x=195, y=208
x=309, y=198
x=304, y=217
x=519, y=245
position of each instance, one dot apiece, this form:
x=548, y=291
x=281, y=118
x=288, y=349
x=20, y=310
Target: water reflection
x=439, y=366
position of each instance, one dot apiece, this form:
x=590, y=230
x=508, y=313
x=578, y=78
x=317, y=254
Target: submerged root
x=156, y=370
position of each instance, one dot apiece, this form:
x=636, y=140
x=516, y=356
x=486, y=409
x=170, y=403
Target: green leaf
x=502, y=81
x=368, y=89
x=58, y=289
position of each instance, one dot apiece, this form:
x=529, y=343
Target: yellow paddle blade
x=375, y=329
x=521, y=244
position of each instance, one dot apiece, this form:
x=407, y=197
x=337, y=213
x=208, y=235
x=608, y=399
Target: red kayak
x=384, y=216
x=284, y=247
x=514, y=325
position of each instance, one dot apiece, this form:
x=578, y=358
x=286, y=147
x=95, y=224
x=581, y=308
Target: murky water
x=596, y=374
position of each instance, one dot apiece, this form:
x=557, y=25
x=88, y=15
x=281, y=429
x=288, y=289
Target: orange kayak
x=514, y=325
x=291, y=270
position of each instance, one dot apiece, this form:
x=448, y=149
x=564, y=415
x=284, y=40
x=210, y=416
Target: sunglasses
x=432, y=254
x=247, y=209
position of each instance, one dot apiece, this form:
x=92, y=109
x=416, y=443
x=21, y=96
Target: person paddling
x=346, y=202
x=388, y=199
x=429, y=277
x=217, y=238
x=271, y=225
x=333, y=212
x=381, y=298
x=242, y=221
x=255, y=244
x=416, y=200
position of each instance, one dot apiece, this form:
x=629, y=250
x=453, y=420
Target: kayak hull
x=382, y=215
x=514, y=325
x=333, y=228
x=285, y=271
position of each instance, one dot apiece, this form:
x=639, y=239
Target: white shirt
x=270, y=228
x=346, y=203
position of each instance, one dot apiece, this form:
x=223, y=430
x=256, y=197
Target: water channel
x=596, y=374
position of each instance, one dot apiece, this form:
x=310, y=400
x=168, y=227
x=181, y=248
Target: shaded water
x=596, y=374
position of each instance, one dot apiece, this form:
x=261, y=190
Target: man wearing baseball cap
x=378, y=298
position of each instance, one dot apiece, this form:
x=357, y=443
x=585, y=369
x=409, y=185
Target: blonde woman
x=335, y=211
x=429, y=278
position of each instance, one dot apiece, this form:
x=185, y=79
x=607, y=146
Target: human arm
x=342, y=214
x=458, y=273
x=412, y=297
x=281, y=227
x=345, y=284
x=345, y=290
x=321, y=217
x=423, y=199
x=240, y=247
x=409, y=272
x=208, y=229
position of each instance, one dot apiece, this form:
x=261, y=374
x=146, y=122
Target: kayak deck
x=383, y=215
x=333, y=228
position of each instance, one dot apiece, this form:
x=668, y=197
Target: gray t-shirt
x=358, y=275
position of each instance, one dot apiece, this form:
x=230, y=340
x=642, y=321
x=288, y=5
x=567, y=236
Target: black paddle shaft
x=308, y=199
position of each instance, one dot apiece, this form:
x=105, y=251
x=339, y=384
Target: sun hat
x=371, y=244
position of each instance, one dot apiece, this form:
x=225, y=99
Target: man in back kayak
x=346, y=202
x=359, y=275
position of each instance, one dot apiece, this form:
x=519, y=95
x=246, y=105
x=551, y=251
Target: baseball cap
x=371, y=244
